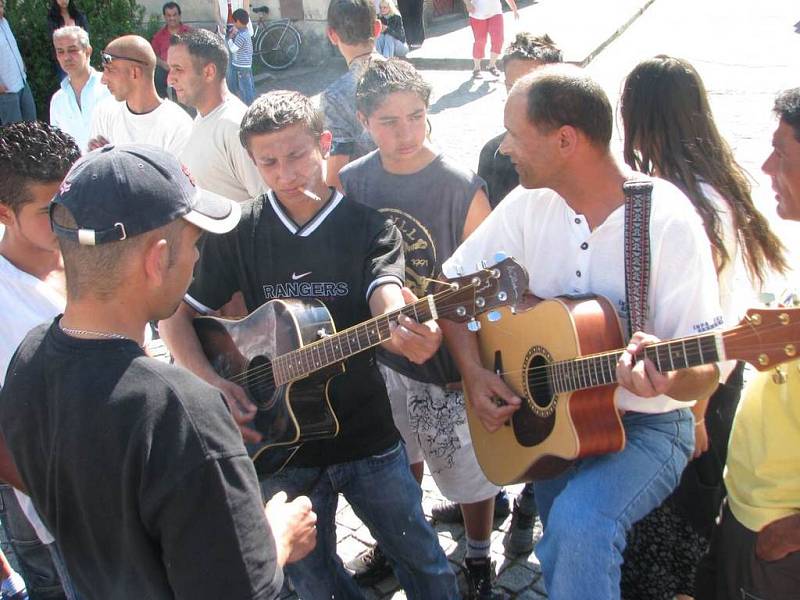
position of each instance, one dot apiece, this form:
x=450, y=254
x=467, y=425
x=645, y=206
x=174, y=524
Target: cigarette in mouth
x=310, y=194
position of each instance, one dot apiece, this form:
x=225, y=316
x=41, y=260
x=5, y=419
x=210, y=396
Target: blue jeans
x=41, y=565
x=587, y=511
x=385, y=496
x=17, y=106
x=389, y=46
x=241, y=83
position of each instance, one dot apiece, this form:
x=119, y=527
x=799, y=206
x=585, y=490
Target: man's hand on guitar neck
x=641, y=377
x=416, y=341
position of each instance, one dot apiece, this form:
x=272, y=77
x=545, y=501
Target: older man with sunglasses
x=136, y=114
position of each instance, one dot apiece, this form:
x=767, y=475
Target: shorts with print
x=433, y=423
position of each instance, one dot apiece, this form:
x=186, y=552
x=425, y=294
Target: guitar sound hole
x=540, y=393
x=260, y=383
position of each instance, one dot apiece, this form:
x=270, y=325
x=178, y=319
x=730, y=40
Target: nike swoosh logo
x=296, y=277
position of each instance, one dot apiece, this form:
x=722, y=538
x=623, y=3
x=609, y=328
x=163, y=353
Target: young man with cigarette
x=303, y=240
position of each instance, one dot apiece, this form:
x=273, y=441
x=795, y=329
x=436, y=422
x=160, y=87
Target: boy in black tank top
x=435, y=204
x=305, y=240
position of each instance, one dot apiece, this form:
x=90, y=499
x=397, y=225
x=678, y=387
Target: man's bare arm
x=481, y=386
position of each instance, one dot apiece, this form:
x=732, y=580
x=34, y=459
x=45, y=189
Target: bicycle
x=276, y=45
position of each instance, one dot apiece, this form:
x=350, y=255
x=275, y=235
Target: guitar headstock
x=765, y=337
x=502, y=284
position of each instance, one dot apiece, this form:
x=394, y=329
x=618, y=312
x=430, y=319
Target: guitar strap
x=638, y=193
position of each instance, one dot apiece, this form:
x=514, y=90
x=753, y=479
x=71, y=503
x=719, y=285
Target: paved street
x=745, y=51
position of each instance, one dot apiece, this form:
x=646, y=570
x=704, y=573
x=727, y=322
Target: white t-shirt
x=235, y=4
x=485, y=9
x=216, y=157
x=563, y=256
x=25, y=302
x=167, y=127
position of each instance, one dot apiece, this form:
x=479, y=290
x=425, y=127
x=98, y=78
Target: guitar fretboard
x=337, y=347
x=601, y=369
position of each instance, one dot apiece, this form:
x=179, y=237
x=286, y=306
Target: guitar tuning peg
x=494, y=316
x=473, y=325
x=500, y=256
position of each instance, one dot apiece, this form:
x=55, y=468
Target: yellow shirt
x=763, y=468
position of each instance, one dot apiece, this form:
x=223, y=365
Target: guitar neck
x=601, y=369
x=338, y=347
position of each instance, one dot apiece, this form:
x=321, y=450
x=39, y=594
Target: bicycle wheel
x=279, y=46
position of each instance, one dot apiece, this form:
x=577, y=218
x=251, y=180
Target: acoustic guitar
x=560, y=356
x=285, y=353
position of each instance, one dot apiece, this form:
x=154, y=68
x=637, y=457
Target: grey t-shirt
x=429, y=208
x=338, y=105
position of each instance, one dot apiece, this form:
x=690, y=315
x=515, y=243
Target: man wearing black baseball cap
x=137, y=466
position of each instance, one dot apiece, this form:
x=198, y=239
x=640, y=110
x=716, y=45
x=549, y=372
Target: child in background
x=392, y=40
x=240, y=44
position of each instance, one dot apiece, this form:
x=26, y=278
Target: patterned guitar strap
x=638, y=193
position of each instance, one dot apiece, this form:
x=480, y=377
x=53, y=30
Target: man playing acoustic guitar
x=304, y=240
x=566, y=226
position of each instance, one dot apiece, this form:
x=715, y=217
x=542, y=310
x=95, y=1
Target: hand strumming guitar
x=242, y=409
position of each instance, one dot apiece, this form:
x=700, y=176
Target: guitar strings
x=256, y=374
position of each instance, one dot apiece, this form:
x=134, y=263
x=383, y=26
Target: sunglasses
x=107, y=59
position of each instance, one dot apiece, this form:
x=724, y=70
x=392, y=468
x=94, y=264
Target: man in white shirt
x=138, y=115
x=16, y=99
x=34, y=158
x=72, y=106
x=566, y=227
x=198, y=62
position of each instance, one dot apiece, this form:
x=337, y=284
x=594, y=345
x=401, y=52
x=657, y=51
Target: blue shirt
x=75, y=119
x=12, y=69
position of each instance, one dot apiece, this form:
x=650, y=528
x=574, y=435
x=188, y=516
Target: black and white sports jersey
x=339, y=257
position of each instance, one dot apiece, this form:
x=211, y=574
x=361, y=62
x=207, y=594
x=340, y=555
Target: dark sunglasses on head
x=107, y=58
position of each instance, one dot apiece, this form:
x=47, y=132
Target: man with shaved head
x=137, y=114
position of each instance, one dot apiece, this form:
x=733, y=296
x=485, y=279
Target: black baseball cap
x=116, y=192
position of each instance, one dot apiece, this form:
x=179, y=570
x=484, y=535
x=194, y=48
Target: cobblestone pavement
x=519, y=576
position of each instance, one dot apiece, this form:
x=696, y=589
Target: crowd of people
x=129, y=475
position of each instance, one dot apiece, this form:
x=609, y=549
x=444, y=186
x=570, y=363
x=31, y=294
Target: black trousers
x=411, y=11
x=731, y=570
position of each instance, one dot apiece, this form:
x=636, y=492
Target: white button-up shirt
x=12, y=69
x=73, y=118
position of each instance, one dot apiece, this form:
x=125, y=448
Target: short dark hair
x=384, y=77
x=563, y=95
x=32, y=152
x=787, y=107
x=170, y=5
x=241, y=15
x=278, y=110
x=95, y=270
x=540, y=48
x=352, y=20
x=204, y=47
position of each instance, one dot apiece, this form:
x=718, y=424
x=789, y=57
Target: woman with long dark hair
x=61, y=14
x=670, y=133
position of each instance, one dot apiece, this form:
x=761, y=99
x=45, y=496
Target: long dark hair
x=55, y=11
x=669, y=130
